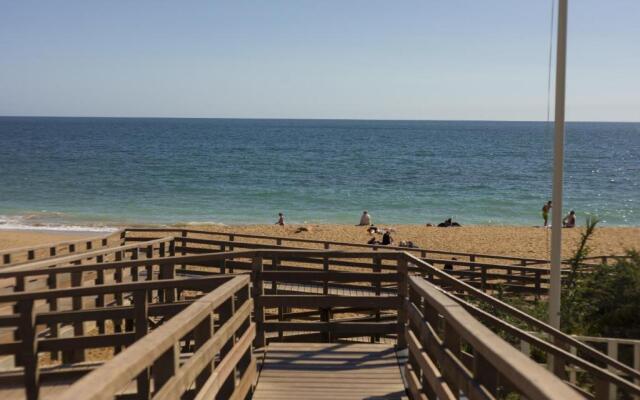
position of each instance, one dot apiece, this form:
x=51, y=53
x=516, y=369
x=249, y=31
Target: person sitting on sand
x=570, y=220
x=448, y=223
x=372, y=229
x=386, y=238
x=545, y=212
x=280, y=219
x=365, y=219
x=445, y=224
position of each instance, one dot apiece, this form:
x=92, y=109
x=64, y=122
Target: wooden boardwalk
x=330, y=371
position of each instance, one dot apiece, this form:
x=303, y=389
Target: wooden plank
x=329, y=370
x=315, y=301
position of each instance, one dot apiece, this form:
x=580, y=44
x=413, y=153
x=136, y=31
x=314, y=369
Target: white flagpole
x=558, y=160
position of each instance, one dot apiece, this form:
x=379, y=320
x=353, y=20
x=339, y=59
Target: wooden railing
x=130, y=323
x=599, y=370
x=219, y=364
x=320, y=313
x=21, y=255
x=450, y=352
x=299, y=295
x=281, y=241
x=615, y=348
x=68, y=272
x=487, y=276
x=150, y=249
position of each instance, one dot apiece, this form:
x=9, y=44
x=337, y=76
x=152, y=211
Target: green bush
x=606, y=301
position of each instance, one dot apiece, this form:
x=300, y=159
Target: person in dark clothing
x=448, y=223
x=445, y=224
x=387, y=239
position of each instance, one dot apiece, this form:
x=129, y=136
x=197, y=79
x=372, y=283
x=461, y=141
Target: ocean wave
x=49, y=221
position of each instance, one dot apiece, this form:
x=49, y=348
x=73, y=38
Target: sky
x=360, y=59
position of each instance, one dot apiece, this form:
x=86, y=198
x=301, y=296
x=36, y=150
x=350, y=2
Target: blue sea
x=65, y=173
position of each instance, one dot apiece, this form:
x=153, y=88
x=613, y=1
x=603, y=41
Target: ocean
x=66, y=173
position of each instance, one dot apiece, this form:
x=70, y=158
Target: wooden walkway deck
x=330, y=371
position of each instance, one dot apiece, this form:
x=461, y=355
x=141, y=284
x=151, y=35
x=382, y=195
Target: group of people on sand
x=387, y=239
x=569, y=221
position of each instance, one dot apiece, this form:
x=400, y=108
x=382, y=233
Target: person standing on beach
x=545, y=212
x=365, y=219
x=280, y=219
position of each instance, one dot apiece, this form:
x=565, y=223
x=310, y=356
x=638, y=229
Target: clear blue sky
x=315, y=59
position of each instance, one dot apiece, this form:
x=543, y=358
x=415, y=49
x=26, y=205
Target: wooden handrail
x=566, y=356
x=558, y=337
x=6, y=272
x=113, y=288
x=158, y=350
x=30, y=252
x=492, y=356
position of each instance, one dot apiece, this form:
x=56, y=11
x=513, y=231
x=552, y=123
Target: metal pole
x=558, y=160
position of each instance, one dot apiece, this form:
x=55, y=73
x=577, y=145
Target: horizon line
x=311, y=119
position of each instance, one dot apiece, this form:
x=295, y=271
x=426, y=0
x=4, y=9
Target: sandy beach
x=500, y=240
x=19, y=238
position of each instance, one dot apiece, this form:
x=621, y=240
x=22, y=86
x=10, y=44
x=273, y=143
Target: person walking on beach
x=280, y=219
x=570, y=220
x=545, y=212
x=365, y=219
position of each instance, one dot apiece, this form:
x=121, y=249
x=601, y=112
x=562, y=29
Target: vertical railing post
x=258, y=291
x=100, y=297
x=76, y=355
x=117, y=277
x=52, y=283
x=134, y=267
x=325, y=313
x=149, y=270
x=183, y=242
x=141, y=310
x=403, y=304
x=231, y=239
x=19, y=287
x=612, y=351
x=377, y=268
x=29, y=349
x=227, y=310
x=275, y=263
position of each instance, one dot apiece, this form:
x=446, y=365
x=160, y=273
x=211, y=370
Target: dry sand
x=11, y=239
x=501, y=240
x=530, y=242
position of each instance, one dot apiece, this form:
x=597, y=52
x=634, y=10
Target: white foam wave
x=38, y=221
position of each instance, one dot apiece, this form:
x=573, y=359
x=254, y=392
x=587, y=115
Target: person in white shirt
x=365, y=220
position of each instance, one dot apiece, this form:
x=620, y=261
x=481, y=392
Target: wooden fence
x=219, y=363
x=450, y=353
x=299, y=294
x=598, y=370
x=27, y=254
x=487, y=276
x=282, y=241
x=130, y=323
